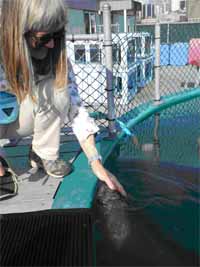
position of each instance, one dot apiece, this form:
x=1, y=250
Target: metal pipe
x=157, y=62
x=109, y=67
x=125, y=21
x=84, y=37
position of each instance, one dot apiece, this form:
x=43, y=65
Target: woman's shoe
x=8, y=182
x=55, y=168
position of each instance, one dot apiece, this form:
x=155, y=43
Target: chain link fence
x=88, y=61
x=133, y=73
x=133, y=56
x=179, y=55
x=133, y=59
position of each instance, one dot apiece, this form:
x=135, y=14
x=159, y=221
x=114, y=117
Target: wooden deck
x=36, y=189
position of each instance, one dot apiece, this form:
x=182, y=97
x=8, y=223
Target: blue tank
x=9, y=108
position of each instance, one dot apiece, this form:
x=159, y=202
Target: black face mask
x=42, y=66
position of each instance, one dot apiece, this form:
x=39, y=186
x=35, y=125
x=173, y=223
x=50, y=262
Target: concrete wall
x=193, y=9
x=76, y=21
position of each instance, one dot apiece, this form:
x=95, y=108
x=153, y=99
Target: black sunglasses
x=43, y=40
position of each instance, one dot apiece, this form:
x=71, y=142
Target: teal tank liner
x=77, y=190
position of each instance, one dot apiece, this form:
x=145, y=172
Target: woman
x=34, y=61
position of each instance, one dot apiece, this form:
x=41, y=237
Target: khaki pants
x=43, y=122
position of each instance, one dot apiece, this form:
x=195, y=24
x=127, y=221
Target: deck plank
x=36, y=189
x=36, y=192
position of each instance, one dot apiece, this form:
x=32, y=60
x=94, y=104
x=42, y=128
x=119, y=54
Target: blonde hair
x=19, y=17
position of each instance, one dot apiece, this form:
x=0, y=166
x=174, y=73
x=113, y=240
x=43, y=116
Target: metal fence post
x=109, y=67
x=157, y=62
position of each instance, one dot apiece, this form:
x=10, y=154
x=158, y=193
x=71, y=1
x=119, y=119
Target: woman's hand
x=2, y=171
x=104, y=175
x=107, y=177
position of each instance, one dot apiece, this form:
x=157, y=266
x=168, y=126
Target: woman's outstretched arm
x=103, y=174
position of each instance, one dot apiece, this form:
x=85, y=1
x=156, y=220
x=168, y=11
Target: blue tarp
x=174, y=54
x=179, y=54
x=164, y=55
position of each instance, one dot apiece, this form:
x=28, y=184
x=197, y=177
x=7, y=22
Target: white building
x=175, y=5
x=155, y=8
x=193, y=9
x=165, y=10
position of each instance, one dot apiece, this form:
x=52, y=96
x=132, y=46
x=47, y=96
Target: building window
x=139, y=46
x=90, y=22
x=131, y=81
x=143, y=11
x=95, y=54
x=149, y=13
x=182, y=5
x=129, y=24
x=79, y=51
x=131, y=52
x=117, y=85
x=116, y=54
x=139, y=72
x=148, y=46
x=147, y=70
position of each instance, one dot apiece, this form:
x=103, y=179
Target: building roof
x=96, y=5
x=86, y=4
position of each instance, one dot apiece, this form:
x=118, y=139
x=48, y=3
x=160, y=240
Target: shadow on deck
x=36, y=189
